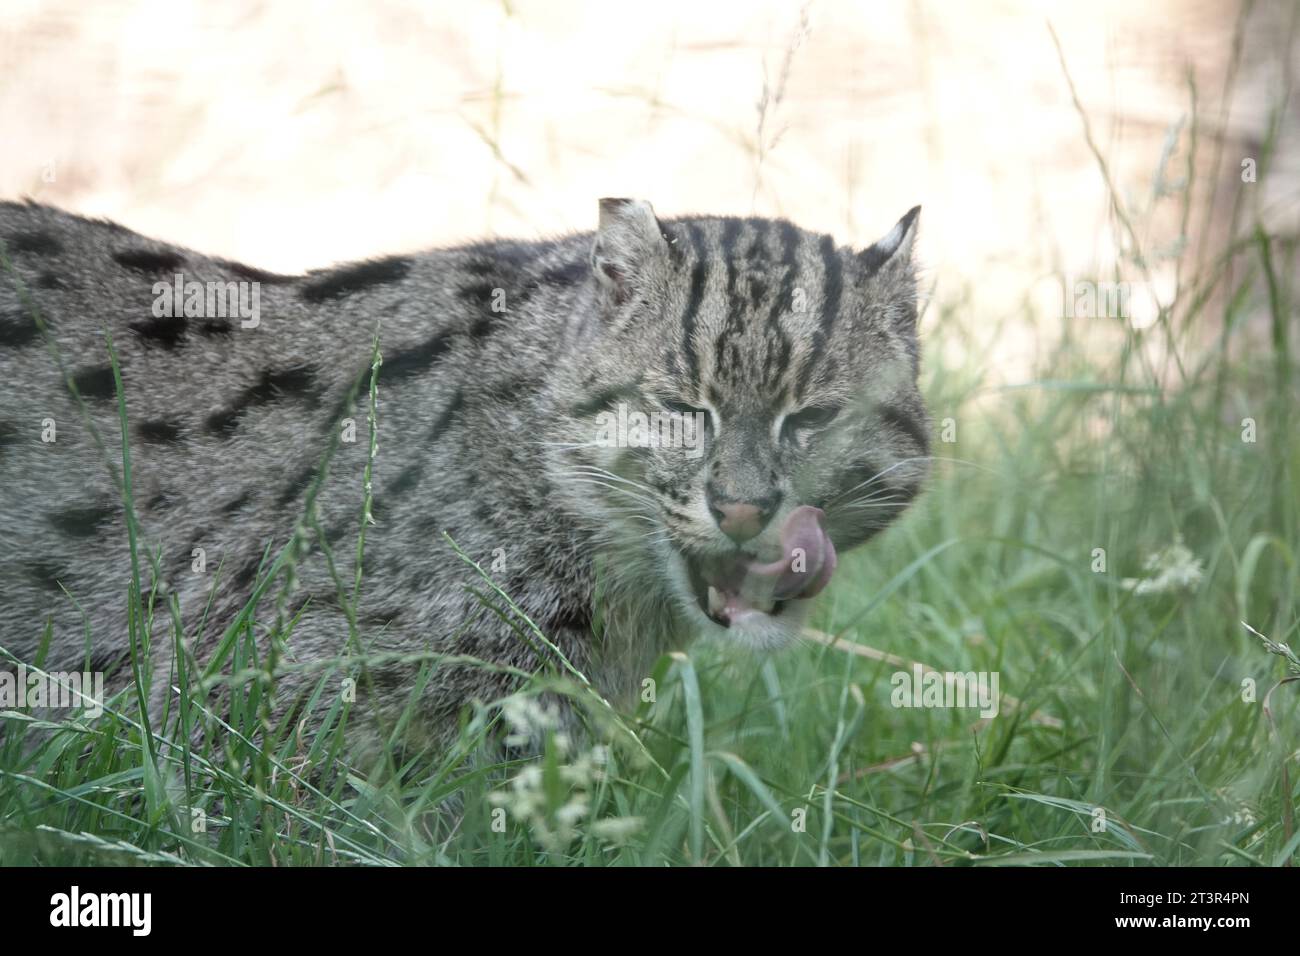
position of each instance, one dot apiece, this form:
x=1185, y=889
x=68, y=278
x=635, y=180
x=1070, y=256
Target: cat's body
x=500, y=361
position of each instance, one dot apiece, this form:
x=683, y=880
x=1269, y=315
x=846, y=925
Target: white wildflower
x=617, y=830
x=572, y=812
x=1242, y=817
x=530, y=797
x=1174, y=568
x=528, y=720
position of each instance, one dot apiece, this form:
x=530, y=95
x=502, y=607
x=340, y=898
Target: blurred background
x=294, y=135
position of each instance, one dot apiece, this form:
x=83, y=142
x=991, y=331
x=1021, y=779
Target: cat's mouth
x=731, y=588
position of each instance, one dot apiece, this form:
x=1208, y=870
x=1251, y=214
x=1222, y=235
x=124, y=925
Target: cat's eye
x=809, y=419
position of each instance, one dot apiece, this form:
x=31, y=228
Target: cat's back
x=239, y=384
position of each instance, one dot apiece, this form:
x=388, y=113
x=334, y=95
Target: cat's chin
x=762, y=626
x=758, y=630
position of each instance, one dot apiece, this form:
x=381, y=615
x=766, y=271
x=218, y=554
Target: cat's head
x=748, y=408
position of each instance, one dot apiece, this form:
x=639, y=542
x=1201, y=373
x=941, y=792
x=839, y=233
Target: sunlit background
x=295, y=135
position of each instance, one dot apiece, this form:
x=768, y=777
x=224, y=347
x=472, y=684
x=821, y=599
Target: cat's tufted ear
x=629, y=243
x=894, y=250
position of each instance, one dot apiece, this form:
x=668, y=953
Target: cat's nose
x=742, y=520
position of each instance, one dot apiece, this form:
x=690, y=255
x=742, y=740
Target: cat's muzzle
x=733, y=587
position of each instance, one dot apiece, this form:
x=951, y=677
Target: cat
x=665, y=429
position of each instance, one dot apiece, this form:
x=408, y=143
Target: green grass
x=1134, y=740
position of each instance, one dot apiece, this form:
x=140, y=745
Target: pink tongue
x=806, y=564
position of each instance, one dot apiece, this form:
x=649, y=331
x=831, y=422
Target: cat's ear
x=629, y=242
x=894, y=250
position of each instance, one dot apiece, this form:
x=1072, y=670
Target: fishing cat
x=662, y=429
